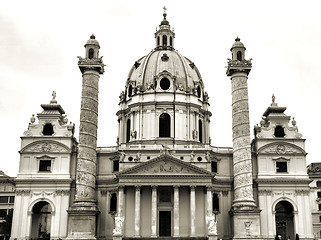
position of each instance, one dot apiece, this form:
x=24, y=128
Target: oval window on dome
x=165, y=83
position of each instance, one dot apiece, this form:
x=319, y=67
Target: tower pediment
x=165, y=166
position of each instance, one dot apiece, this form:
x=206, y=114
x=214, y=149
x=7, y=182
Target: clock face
x=280, y=149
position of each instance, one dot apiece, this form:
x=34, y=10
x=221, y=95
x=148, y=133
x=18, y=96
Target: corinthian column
x=85, y=201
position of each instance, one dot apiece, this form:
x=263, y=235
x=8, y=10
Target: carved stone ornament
x=45, y=147
x=118, y=225
x=280, y=149
x=166, y=167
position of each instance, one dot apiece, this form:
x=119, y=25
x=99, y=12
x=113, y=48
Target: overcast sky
x=40, y=42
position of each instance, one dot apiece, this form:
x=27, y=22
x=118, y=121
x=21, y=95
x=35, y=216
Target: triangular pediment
x=165, y=165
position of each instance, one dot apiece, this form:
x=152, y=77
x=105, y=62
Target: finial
x=237, y=39
x=32, y=119
x=164, y=14
x=293, y=122
x=53, y=100
x=273, y=98
x=92, y=36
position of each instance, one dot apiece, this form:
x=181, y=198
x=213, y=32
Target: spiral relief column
x=245, y=214
x=82, y=215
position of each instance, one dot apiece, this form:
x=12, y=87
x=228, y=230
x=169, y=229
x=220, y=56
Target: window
x=318, y=183
x=164, y=40
x=165, y=195
x=158, y=41
x=199, y=91
x=11, y=199
x=279, y=131
x=281, y=167
x=165, y=84
x=239, y=56
x=319, y=205
x=91, y=53
x=319, y=194
x=200, y=131
x=44, y=165
x=164, y=125
x=319, y=218
x=130, y=90
x=199, y=159
x=48, y=129
x=4, y=199
x=216, y=203
x=171, y=41
x=128, y=131
x=115, y=165
x=214, y=166
x=113, y=203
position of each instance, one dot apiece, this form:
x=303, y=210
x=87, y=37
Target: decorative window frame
x=169, y=76
x=45, y=158
x=281, y=159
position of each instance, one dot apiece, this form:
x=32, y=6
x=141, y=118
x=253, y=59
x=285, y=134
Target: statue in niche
x=195, y=133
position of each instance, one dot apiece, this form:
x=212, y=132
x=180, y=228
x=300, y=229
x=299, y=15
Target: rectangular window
x=216, y=203
x=3, y=199
x=319, y=205
x=319, y=218
x=214, y=166
x=165, y=195
x=281, y=167
x=318, y=183
x=44, y=165
x=116, y=166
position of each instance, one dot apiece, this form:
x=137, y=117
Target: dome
x=151, y=67
x=238, y=43
x=92, y=41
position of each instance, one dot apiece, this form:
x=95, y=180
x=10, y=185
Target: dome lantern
x=164, y=36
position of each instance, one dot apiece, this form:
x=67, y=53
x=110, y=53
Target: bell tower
x=83, y=213
x=245, y=215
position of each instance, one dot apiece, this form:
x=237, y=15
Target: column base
x=82, y=221
x=212, y=237
x=117, y=237
x=246, y=224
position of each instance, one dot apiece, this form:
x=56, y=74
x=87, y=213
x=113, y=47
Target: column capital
x=176, y=186
x=192, y=187
x=154, y=186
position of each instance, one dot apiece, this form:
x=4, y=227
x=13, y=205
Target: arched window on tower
x=164, y=40
x=91, y=53
x=48, y=130
x=239, y=56
x=199, y=92
x=113, y=203
x=130, y=90
x=171, y=41
x=279, y=131
x=128, y=131
x=164, y=125
x=158, y=41
x=200, y=131
x=216, y=203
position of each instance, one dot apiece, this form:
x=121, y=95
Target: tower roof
x=238, y=43
x=92, y=41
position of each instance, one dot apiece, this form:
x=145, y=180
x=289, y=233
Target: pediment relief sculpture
x=281, y=149
x=46, y=147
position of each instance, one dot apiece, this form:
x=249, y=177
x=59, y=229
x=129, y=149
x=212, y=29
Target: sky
x=40, y=41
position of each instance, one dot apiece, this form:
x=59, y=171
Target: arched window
x=216, y=203
x=200, y=131
x=239, y=56
x=48, y=129
x=158, y=41
x=279, y=131
x=164, y=40
x=171, y=41
x=164, y=125
x=128, y=131
x=116, y=166
x=113, y=203
x=130, y=90
x=91, y=53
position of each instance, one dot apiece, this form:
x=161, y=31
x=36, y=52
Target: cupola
x=238, y=50
x=92, y=47
x=164, y=36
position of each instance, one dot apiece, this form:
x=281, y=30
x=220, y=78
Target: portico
x=169, y=198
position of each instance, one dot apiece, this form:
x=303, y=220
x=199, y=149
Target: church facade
x=163, y=179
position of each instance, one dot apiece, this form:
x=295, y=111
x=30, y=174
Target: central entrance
x=165, y=218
